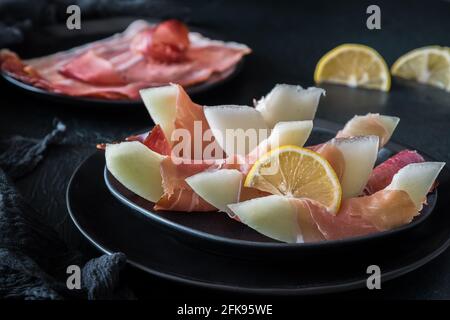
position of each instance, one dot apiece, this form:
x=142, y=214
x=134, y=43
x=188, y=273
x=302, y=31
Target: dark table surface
x=288, y=39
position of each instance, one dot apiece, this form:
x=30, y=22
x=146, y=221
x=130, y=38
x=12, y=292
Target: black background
x=288, y=38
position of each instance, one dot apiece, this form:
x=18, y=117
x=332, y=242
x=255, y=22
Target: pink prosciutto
x=166, y=42
x=118, y=67
x=384, y=210
x=370, y=124
x=382, y=175
x=379, y=210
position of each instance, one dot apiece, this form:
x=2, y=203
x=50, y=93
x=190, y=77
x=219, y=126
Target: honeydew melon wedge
x=274, y=216
x=219, y=188
x=360, y=154
x=290, y=133
x=161, y=105
x=244, y=125
x=294, y=133
x=362, y=126
x=416, y=179
x=390, y=123
x=136, y=167
x=289, y=103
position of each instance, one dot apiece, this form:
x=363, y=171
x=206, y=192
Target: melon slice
x=294, y=133
x=290, y=133
x=360, y=154
x=416, y=179
x=136, y=167
x=390, y=123
x=161, y=105
x=274, y=216
x=219, y=187
x=289, y=103
x=237, y=129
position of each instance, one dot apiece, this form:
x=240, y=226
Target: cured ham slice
x=178, y=195
x=334, y=156
x=171, y=108
x=370, y=124
x=382, y=175
x=157, y=141
x=191, y=117
x=166, y=42
x=386, y=209
x=143, y=56
x=359, y=216
x=91, y=68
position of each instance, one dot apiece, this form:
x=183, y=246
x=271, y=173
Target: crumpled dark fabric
x=21, y=155
x=33, y=258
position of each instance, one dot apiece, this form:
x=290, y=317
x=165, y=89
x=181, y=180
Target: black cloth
x=33, y=258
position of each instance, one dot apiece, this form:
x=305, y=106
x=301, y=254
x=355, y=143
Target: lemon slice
x=296, y=172
x=429, y=65
x=354, y=65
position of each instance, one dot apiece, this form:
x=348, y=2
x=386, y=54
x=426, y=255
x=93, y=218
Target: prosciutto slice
x=384, y=210
x=370, y=124
x=178, y=195
x=155, y=140
x=117, y=67
x=382, y=175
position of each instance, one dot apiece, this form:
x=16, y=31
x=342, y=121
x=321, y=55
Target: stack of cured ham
x=373, y=199
x=116, y=68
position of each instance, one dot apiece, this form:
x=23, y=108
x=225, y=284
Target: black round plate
x=120, y=25
x=217, y=232
x=152, y=246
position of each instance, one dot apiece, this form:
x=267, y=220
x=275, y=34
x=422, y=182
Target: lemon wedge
x=354, y=65
x=296, y=172
x=428, y=65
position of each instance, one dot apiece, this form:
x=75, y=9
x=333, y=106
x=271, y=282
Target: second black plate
x=98, y=29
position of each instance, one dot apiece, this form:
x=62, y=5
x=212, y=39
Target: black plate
x=114, y=26
x=152, y=246
x=218, y=232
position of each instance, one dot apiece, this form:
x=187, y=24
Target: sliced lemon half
x=296, y=172
x=354, y=65
x=428, y=65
